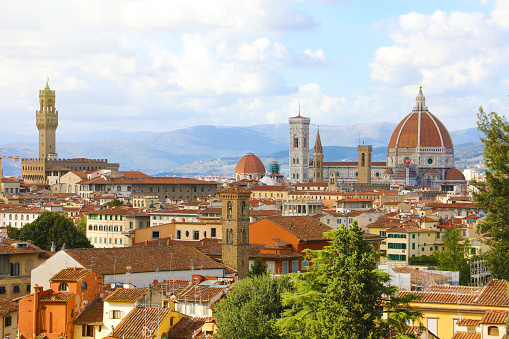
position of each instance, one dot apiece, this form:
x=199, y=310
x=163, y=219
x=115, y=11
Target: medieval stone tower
x=299, y=149
x=47, y=123
x=235, y=223
x=364, y=166
x=318, y=159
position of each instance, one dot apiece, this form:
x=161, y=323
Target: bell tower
x=299, y=149
x=364, y=164
x=47, y=122
x=235, y=224
x=318, y=159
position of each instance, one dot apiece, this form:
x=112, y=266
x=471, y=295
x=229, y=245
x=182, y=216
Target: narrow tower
x=299, y=149
x=364, y=165
x=318, y=159
x=235, y=223
x=47, y=122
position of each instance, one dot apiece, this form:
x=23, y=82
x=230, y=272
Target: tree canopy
x=51, y=227
x=494, y=194
x=115, y=202
x=456, y=255
x=251, y=308
x=343, y=295
x=258, y=267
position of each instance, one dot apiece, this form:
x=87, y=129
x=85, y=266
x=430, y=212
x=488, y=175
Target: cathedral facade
x=420, y=152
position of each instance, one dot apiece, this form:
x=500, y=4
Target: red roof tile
x=126, y=294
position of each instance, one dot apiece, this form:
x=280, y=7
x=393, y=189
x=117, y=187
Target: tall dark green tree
x=343, y=295
x=494, y=194
x=258, y=267
x=82, y=225
x=456, y=255
x=251, y=308
x=51, y=227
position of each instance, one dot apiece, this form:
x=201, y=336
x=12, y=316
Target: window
x=155, y=235
x=413, y=236
x=196, y=235
x=304, y=265
x=187, y=234
x=7, y=321
x=2, y=290
x=120, y=241
x=213, y=233
x=63, y=287
x=116, y=314
x=87, y=330
x=84, y=286
x=15, y=289
x=493, y=330
x=28, y=288
x=15, y=269
x=179, y=234
x=229, y=209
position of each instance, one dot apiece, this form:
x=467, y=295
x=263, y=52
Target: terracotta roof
x=12, y=246
x=419, y=277
x=172, y=287
x=250, y=163
x=305, y=228
x=442, y=298
x=469, y=322
x=452, y=289
x=454, y=174
x=355, y=200
x=389, y=171
x=7, y=306
x=142, y=259
x=494, y=317
x=126, y=294
x=134, y=174
x=201, y=293
x=409, y=229
x=461, y=335
x=58, y=297
x=141, y=323
x=186, y=327
x=494, y=293
x=58, y=168
x=70, y=274
x=92, y=315
x=431, y=171
x=420, y=128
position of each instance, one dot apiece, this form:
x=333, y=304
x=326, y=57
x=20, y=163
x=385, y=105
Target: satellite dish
x=173, y=298
x=112, y=285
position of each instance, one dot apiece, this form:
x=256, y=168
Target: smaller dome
x=454, y=174
x=250, y=163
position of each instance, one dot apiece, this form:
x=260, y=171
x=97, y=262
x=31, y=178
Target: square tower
x=299, y=149
x=364, y=165
x=235, y=223
x=47, y=123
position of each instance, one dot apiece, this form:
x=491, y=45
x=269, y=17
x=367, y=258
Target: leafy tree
x=251, y=308
x=114, y=203
x=82, y=225
x=494, y=194
x=343, y=295
x=258, y=268
x=456, y=255
x=51, y=227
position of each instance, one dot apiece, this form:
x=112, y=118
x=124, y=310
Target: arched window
x=84, y=286
x=63, y=287
x=15, y=268
x=119, y=188
x=243, y=208
x=304, y=265
x=151, y=204
x=229, y=236
x=229, y=209
x=295, y=142
x=363, y=159
x=493, y=330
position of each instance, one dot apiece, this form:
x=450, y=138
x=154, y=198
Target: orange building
x=51, y=313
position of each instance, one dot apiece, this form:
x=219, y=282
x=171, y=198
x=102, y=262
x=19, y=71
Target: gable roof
x=142, y=259
x=70, y=274
x=126, y=294
x=92, y=315
x=141, y=323
x=186, y=327
x=303, y=227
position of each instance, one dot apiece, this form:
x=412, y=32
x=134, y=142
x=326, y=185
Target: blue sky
x=159, y=65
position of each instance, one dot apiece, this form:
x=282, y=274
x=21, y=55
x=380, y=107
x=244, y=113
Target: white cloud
x=443, y=51
x=500, y=14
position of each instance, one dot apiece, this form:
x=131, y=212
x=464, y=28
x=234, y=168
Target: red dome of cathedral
x=250, y=163
x=420, y=128
x=454, y=174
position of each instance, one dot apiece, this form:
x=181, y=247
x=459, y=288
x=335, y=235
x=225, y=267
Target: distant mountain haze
x=214, y=150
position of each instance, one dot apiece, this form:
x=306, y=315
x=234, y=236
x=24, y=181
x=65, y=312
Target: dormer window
x=63, y=287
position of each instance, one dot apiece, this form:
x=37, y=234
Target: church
x=420, y=153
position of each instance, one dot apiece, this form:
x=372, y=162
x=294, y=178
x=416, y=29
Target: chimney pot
x=146, y=242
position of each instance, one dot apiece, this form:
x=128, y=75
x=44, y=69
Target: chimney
x=168, y=242
x=53, y=247
x=146, y=242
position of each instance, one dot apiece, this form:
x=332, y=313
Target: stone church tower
x=299, y=149
x=318, y=159
x=235, y=223
x=364, y=165
x=47, y=123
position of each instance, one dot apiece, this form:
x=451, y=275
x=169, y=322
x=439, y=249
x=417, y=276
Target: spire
x=420, y=101
x=47, y=85
x=299, y=108
x=318, y=143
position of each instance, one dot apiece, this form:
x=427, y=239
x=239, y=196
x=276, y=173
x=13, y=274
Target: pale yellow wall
x=262, y=194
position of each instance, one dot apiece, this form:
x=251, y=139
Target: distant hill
x=215, y=149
